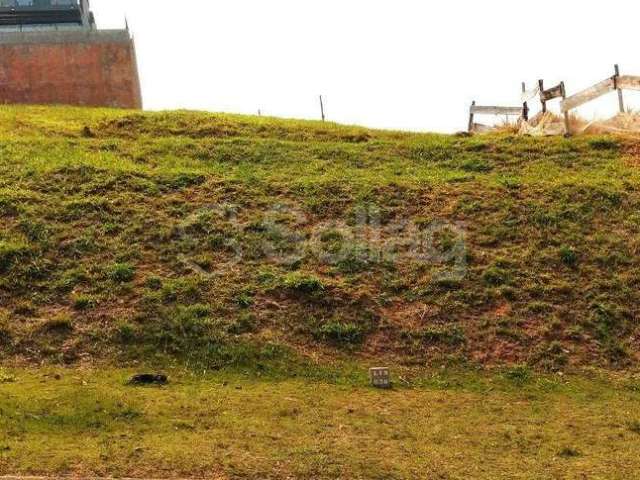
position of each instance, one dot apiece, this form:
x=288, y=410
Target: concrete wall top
x=62, y=37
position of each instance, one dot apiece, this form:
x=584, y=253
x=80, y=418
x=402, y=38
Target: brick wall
x=73, y=68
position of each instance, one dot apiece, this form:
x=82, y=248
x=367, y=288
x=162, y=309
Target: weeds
x=568, y=256
x=519, y=375
x=10, y=253
x=100, y=209
x=57, y=324
x=495, y=276
x=122, y=272
x=340, y=333
x=447, y=335
x=569, y=452
x=84, y=302
x=6, y=377
x=303, y=283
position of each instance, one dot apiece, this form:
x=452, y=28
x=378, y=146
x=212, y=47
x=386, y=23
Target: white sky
x=401, y=64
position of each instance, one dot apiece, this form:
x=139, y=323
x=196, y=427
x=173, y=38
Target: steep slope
x=229, y=240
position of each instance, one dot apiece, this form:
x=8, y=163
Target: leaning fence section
x=568, y=103
x=616, y=83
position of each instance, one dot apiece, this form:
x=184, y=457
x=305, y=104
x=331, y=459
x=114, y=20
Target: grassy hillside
x=219, y=240
x=264, y=265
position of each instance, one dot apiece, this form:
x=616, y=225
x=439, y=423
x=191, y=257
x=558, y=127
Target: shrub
x=303, y=283
x=495, y=276
x=192, y=321
x=87, y=206
x=341, y=333
x=551, y=356
x=26, y=309
x=8, y=206
x=197, y=311
x=447, y=284
x=569, y=452
x=10, y=252
x=634, y=427
x=70, y=279
x=184, y=290
x=153, y=283
x=126, y=332
x=244, y=300
x=568, y=256
x=84, y=302
x=58, y=324
x=5, y=330
x=35, y=231
x=332, y=235
x=616, y=351
x=78, y=247
x=511, y=183
x=354, y=258
x=246, y=323
x=603, y=144
x=476, y=165
x=180, y=181
x=183, y=329
x=477, y=146
x=122, y=272
x=605, y=319
x=441, y=334
x=6, y=378
x=86, y=132
x=538, y=307
x=519, y=374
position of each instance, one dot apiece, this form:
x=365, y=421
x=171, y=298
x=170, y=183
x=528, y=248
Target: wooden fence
x=615, y=83
x=559, y=91
x=492, y=110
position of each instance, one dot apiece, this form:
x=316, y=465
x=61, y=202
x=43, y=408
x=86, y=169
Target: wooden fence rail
x=480, y=110
x=628, y=82
x=617, y=82
x=494, y=110
x=587, y=95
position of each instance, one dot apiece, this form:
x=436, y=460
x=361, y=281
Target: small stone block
x=380, y=377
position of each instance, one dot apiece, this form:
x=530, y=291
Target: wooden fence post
x=544, y=102
x=566, y=113
x=615, y=84
x=525, y=107
x=473, y=104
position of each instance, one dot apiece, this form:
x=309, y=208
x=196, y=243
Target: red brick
x=76, y=73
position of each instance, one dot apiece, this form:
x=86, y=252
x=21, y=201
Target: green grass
x=266, y=264
x=286, y=233
x=447, y=424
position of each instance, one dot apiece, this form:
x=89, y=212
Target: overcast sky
x=402, y=64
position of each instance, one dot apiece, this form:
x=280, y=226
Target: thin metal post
x=322, y=108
